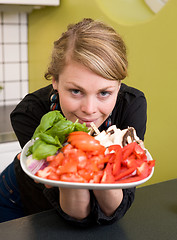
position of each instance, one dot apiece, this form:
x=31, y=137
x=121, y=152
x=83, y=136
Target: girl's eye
x=75, y=91
x=105, y=94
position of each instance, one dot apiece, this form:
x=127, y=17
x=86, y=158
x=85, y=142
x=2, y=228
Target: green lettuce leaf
x=51, y=133
x=43, y=150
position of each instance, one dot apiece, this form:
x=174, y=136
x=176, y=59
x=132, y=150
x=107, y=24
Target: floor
x=6, y=131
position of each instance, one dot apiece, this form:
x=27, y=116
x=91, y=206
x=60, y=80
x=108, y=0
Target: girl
x=87, y=66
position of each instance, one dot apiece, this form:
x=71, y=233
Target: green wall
x=152, y=52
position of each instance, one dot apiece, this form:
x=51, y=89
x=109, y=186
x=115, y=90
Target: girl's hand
x=75, y=202
x=18, y=156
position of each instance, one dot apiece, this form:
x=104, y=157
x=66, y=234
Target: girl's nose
x=88, y=105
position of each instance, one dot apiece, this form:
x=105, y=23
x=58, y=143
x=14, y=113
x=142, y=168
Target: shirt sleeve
x=131, y=110
x=28, y=113
x=96, y=215
x=102, y=219
x=52, y=194
x=136, y=116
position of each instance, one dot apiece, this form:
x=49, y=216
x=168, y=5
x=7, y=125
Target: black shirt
x=129, y=111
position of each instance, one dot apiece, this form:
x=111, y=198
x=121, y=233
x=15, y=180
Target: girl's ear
x=54, y=83
x=119, y=85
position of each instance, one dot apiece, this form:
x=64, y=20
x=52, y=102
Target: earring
x=108, y=121
x=54, y=101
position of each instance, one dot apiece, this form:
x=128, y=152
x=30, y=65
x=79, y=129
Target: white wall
x=13, y=57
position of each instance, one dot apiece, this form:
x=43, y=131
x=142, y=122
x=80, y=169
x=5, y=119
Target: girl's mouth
x=86, y=121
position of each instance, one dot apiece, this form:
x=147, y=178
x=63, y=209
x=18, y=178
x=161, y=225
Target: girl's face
x=84, y=95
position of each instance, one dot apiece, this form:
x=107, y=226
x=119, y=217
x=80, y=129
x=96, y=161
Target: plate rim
x=99, y=186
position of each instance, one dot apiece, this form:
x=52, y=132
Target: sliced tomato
x=78, y=133
x=97, y=176
x=85, y=142
x=50, y=158
x=66, y=148
x=53, y=176
x=88, y=145
x=86, y=174
x=99, y=159
x=79, y=136
x=92, y=166
x=69, y=167
x=100, y=150
x=57, y=161
x=45, y=172
x=78, y=155
x=72, y=177
x=82, y=159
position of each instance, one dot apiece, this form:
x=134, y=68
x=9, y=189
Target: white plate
x=102, y=186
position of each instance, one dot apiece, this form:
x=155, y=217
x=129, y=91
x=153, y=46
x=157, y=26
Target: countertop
x=152, y=216
x=6, y=132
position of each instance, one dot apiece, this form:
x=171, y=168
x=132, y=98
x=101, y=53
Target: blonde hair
x=93, y=44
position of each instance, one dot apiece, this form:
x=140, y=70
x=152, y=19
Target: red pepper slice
x=139, y=152
x=114, y=147
x=125, y=173
x=128, y=150
x=107, y=174
x=151, y=163
x=117, y=161
x=130, y=179
x=131, y=163
x=143, y=170
x=111, y=157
